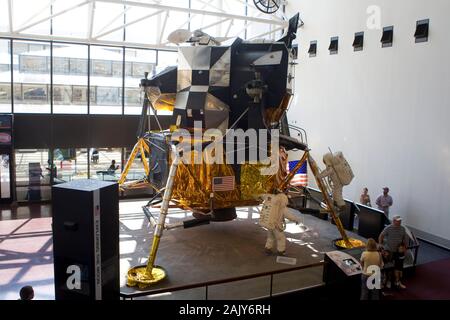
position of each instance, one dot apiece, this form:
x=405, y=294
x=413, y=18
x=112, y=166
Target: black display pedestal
x=86, y=240
x=342, y=276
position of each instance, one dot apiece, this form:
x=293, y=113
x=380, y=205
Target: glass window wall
x=5, y=76
x=32, y=175
x=106, y=80
x=70, y=164
x=106, y=163
x=31, y=77
x=141, y=61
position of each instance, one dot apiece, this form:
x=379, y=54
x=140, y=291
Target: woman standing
x=365, y=198
x=371, y=258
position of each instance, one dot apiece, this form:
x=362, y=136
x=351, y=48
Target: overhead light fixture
x=334, y=45
x=358, y=42
x=422, y=27
x=388, y=37
x=312, y=48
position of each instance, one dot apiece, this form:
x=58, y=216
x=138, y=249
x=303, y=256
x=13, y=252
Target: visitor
x=94, y=156
x=26, y=293
x=113, y=167
x=364, y=199
x=370, y=257
x=384, y=201
x=393, y=239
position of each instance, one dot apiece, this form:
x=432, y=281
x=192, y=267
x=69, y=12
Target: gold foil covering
x=273, y=114
x=165, y=102
x=193, y=185
x=138, y=276
x=354, y=243
x=282, y=171
x=253, y=183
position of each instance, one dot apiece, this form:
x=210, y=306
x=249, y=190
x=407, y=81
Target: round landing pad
x=137, y=276
x=354, y=243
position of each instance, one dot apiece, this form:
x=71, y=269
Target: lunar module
x=228, y=137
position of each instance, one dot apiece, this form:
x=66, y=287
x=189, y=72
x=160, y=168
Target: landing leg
x=144, y=276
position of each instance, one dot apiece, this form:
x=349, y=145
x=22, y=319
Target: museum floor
x=216, y=251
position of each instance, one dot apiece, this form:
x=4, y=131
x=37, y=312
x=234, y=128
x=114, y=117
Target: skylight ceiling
x=139, y=23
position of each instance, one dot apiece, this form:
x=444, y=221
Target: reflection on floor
x=26, y=251
x=31, y=211
x=26, y=257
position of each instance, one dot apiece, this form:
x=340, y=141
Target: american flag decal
x=300, y=178
x=225, y=183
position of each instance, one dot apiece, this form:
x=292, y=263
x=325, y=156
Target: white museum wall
x=387, y=109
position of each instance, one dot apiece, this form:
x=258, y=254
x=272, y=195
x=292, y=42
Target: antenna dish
x=179, y=36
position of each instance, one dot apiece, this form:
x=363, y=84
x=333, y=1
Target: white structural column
x=10, y=9
x=91, y=19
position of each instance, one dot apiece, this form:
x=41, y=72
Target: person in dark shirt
x=113, y=167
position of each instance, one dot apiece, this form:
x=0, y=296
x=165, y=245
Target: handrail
x=206, y=284
x=300, y=133
x=301, y=130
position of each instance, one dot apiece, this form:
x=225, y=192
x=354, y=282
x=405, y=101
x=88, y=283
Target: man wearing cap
x=384, y=201
x=393, y=238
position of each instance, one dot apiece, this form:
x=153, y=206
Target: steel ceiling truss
x=155, y=10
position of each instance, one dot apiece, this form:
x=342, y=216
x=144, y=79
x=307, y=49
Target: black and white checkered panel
x=193, y=66
x=202, y=85
x=200, y=78
x=219, y=74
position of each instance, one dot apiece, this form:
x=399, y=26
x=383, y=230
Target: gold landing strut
x=346, y=242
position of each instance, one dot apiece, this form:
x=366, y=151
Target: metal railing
x=301, y=133
x=207, y=284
